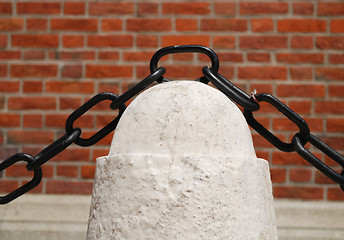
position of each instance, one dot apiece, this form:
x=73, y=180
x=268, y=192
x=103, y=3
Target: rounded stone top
x=182, y=118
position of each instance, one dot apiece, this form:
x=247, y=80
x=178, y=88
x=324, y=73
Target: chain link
x=249, y=103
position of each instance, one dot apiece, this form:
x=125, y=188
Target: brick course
x=55, y=55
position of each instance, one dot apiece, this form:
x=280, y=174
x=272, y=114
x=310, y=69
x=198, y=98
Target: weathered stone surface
x=182, y=166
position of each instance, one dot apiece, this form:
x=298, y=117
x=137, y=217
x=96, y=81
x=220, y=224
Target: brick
x=330, y=8
x=110, y=8
x=18, y=170
x=30, y=137
x=278, y=175
x=263, y=42
x=301, y=25
x=150, y=25
x=103, y=120
x=300, y=174
x=229, y=57
x=183, y=57
x=332, y=42
x=9, y=55
x=68, y=187
x=301, y=90
x=72, y=55
x=108, y=71
x=224, y=42
x=74, y=8
x=75, y=25
x=145, y=41
x=32, y=103
x=32, y=87
x=261, y=88
x=8, y=185
x=32, y=121
x=11, y=24
x=323, y=73
x=148, y=8
x=38, y=7
x=302, y=42
x=336, y=58
x=34, y=55
x=36, y=24
x=137, y=56
x=335, y=143
x=315, y=58
x=184, y=25
x=183, y=72
x=221, y=24
x=303, y=8
x=72, y=71
x=335, y=125
x=73, y=154
x=320, y=178
x=169, y=40
x=282, y=158
x=65, y=87
x=110, y=41
x=337, y=26
x=69, y=103
x=100, y=152
x=87, y=171
x=334, y=107
x=113, y=24
x=3, y=70
x=9, y=86
x=262, y=25
x=35, y=40
x=5, y=8
x=67, y=171
x=335, y=90
x=9, y=120
x=225, y=8
x=255, y=8
x=186, y=8
x=298, y=192
x=72, y=41
x=3, y=41
x=33, y=70
x=335, y=194
x=301, y=73
x=284, y=124
x=300, y=107
x=262, y=73
x=258, y=57
x=108, y=55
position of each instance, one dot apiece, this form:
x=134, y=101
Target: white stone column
x=182, y=166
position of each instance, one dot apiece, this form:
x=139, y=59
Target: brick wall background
x=57, y=54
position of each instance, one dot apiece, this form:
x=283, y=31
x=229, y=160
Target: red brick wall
x=56, y=55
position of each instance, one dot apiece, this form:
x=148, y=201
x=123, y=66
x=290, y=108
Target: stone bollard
x=182, y=166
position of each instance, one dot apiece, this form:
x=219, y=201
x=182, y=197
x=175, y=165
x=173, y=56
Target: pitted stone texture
x=182, y=166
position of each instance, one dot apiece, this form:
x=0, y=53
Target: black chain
x=249, y=103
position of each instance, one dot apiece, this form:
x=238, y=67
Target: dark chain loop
x=36, y=179
x=215, y=64
x=154, y=76
x=87, y=106
x=211, y=74
x=316, y=162
x=301, y=124
x=230, y=90
x=53, y=149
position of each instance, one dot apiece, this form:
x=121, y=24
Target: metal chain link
x=249, y=103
